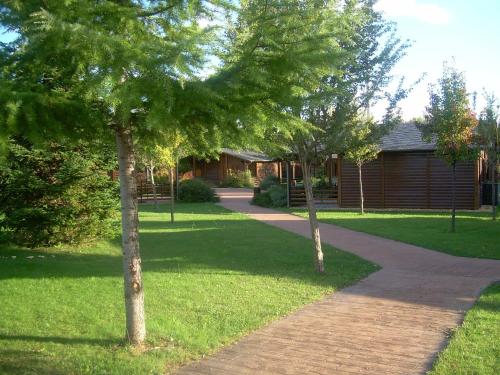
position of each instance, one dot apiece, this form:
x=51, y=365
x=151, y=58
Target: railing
x=321, y=196
x=146, y=191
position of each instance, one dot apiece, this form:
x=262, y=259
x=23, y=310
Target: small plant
x=269, y=181
x=196, y=190
x=238, y=179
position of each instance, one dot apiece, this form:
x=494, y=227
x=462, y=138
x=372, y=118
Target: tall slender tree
x=450, y=121
x=488, y=135
x=361, y=146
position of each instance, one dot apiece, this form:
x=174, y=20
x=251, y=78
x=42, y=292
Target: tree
x=87, y=70
x=147, y=158
x=362, y=52
x=449, y=121
x=133, y=70
x=168, y=155
x=362, y=146
x=488, y=135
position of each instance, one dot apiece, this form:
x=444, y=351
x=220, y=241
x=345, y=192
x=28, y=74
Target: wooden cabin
x=407, y=174
x=229, y=160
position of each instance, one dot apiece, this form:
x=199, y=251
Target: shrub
x=196, y=190
x=278, y=195
x=56, y=194
x=263, y=200
x=320, y=183
x=274, y=197
x=269, y=181
x=238, y=179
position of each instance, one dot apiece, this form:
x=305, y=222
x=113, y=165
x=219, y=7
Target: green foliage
x=196, y=190
x=262, y=199
x=320, y=182
x=449, y=119
x=56, y=195
x=269, y=181
x=278, y=195
x=238, y=179
x=362, y=140
x=275, y=196
x=488, y=130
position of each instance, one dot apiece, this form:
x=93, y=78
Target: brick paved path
x=393, y=322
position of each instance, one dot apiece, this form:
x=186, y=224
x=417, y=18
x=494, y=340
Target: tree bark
x=153, y=185
x=361, y=195
x=133, y=287
x=453, y=204
x=313, y=220
x=172, y=195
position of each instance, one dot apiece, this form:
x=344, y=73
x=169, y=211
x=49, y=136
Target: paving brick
x=393, y=322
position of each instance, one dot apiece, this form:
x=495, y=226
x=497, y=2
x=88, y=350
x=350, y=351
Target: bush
x=320, y=183
x=278, y=195
x=238, y=179
x=196, y=190
x=56, y=195
x=269, y=181
x=274, y=197
x=263, y=200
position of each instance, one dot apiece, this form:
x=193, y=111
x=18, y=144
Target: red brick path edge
x=393, y=322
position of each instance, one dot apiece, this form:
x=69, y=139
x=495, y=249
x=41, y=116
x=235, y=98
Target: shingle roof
x=250, y=156
x=405, y=137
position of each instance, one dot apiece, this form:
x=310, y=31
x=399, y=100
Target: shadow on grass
x=62, y=340
x=27, y=362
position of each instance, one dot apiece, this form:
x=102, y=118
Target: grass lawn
x=476, y=235
x=209, y=279
x=475, y=346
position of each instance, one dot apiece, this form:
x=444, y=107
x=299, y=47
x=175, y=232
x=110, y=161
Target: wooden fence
x=146, y=191
x=321, y=196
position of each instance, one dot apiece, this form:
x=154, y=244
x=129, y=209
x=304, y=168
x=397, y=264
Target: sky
x=465, y=31
x=462, y=31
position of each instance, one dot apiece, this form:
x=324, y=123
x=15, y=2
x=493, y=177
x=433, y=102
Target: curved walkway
x=393, y=322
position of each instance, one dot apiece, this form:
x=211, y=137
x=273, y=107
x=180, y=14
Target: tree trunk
x=313, y=220
x=134, y=292
x=177, y=177
x=172, y=195
x=453, y=208
x=153, y=185
x=361, y=195
x=493, y=189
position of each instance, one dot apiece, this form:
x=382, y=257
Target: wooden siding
x=409, y=180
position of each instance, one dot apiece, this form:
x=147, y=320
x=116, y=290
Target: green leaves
x=449, y=119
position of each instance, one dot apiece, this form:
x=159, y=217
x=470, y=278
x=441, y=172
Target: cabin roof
x=247, y=155
x=405, y=137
